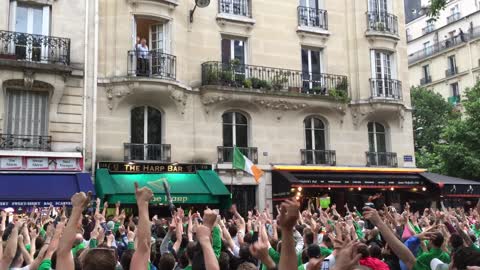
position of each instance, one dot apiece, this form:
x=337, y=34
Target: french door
x=311, y=68
x=382, y=72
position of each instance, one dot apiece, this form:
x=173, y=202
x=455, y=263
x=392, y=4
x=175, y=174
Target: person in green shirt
x=435, y=252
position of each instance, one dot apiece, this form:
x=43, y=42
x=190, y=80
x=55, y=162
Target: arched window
x=377, y=145
x=235, y=133
x=145, y=133
x=315, y=142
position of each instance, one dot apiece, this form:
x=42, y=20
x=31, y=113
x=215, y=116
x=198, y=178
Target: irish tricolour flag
x=243, y=163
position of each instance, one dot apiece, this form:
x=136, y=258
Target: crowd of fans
x=309, y=239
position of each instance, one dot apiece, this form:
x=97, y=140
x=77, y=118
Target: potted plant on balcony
x=279, y=80
x=380, y=26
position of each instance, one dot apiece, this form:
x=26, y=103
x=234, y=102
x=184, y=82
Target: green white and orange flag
x=243, y=163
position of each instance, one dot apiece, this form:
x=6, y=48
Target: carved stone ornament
x=28, y=79
x=212, y=100
x=280, y=105
x=180, y=98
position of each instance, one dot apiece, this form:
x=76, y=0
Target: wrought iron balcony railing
x=225, y=153
x=318, y=157
x=426, y=80
x=381, y=159
x=147, y=152
x=235, y=7
x=451, y=71
x=152, y=64
x=273, y=79
x=34, y=48
x=312, y=17
x=382, y=22
x=436, y=48
x=25, y=142
x=454, y=17
x=386, y=88
x=428, y=29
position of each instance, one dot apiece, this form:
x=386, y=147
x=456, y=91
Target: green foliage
x=448, y=144
x=435, y=7
x=339, y=95
x=260, y=84
x=343, y=85
x=247, y=83
x=212, y=76
x=279, y=80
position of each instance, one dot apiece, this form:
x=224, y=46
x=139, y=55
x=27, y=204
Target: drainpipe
x=85, y=82
x=94, y=97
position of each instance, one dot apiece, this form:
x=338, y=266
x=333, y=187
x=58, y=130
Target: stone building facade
x=288, y=82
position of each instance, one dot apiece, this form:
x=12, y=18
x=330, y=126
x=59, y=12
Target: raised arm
x=287, y=220
x=64, y=253
x=11, y=247
x=204, y=233
x=142, y=253
x=402, y=252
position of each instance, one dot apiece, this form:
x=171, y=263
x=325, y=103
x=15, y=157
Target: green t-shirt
x=45, y=265
x=325, y=252
x=423, y=261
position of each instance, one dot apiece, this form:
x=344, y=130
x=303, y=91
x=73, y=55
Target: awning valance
x=41, y=189
x=202, y=187
x=453, y=186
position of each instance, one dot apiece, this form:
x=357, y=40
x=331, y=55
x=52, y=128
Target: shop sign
x=175, y=199
x=130, y=167
x=33, y=203
x=399, y=182
x=39, y=163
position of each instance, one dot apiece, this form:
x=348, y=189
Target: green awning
x=203, y=187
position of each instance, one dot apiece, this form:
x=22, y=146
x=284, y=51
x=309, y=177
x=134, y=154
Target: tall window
x=383, y=71
x=234, y=49
x=235, y=129
x=426, y=73
x=378, y=6
x=315, y=141
x=145, y=133
x=452, y=64
x=235, y=7
x=311, y=67
x=427, y=48
x=26, y=112
x=455, y=90
x=30, y=19
x=376, y=138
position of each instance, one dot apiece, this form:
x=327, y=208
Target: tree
x=459, y=148
x=435, y=7
x=431, y=113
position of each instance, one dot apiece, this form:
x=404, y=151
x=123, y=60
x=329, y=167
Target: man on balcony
x=142, y=58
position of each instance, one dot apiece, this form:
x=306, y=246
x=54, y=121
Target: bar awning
x=453, y=186
x=202, y=187
x=19, y=190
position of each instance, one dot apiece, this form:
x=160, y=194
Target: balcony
x=235, y=7
x=440, y=47
x=454, y=17
x=454, y=100
x=381, y=159
x=382, y=22
x=386, y=88
x=312, y=17
x=152, y=64
x=451, y=71
x=147, y=152
x=225, y=153
x=273, y=80
x=428, y=29
x=25, y=142
x=34, y=48
x=426, y=80
x=318, y=157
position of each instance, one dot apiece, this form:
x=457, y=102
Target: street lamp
x=199, y=3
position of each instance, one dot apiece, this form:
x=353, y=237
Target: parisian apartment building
x=313, y=82
x=444, y=52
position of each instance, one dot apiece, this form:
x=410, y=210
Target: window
x=145, y=133
x=234, y=49
x=311, y=13
x=454, y=10
x=30, y=19
x=235, y=7
x=311, y=67
x=455, y=90
x=315, y=141
x=452, y=64
x=427, y=48
x=383, y=71
x=235, y=129
x=378, y=6
x=426, y=73
x=26, y=112
x=376, y=137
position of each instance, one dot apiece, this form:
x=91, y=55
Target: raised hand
x=372, y=215
x=288, y=214
x=79, y=199
x=143, y=194
x=347, y=257
x=209, y=218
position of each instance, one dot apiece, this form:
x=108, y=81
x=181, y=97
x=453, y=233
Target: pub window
x=235, y=129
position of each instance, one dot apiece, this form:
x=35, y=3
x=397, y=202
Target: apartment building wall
x=444, y=41
x=192, y=113
x=63, y=81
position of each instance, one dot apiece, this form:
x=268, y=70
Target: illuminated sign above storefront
x=131, y=167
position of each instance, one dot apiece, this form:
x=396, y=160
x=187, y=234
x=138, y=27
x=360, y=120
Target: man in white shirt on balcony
x=142, y=58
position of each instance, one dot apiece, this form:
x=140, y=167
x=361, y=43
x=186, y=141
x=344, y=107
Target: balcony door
x=145, y=133
x=383, y=70
x=310, y=14
x=235, y=133
x=234, y=57
x=377, y=144
x=314, y=141
x=160, y=45
x=34, y=20
x=378, y=6
x=312, y=69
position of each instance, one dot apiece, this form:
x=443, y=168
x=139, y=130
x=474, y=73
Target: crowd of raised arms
x=311, y=238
